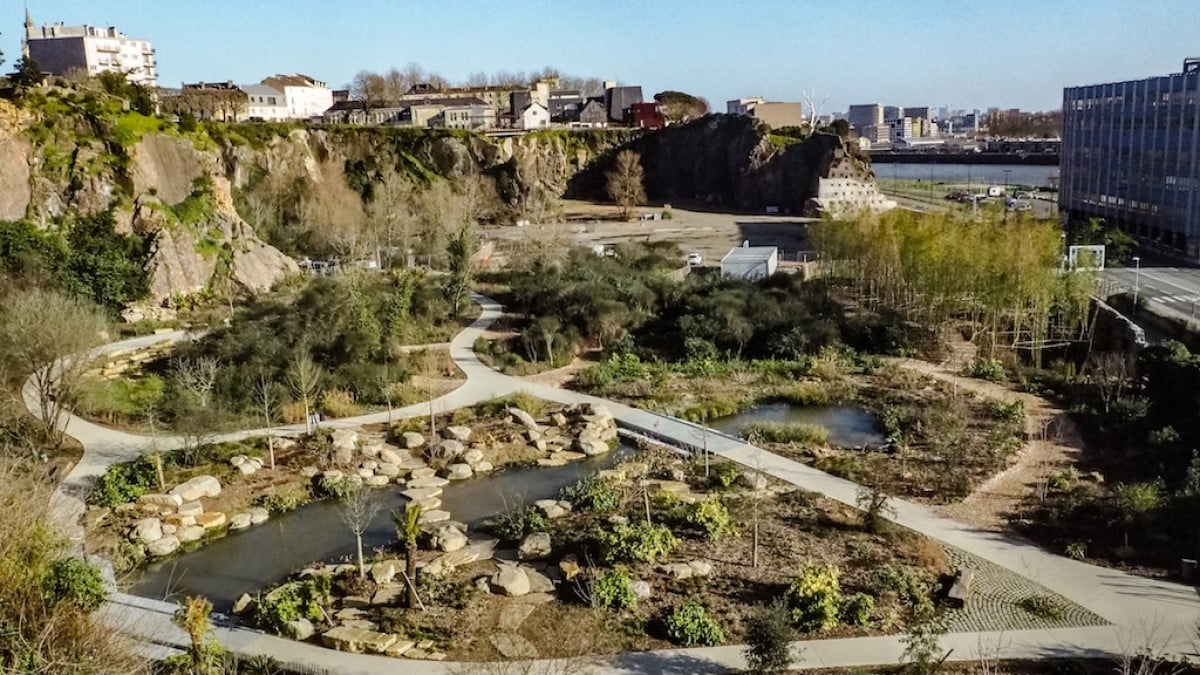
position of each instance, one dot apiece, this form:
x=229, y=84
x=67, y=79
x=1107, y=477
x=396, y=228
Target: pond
x=848, y=426
x=248, y=561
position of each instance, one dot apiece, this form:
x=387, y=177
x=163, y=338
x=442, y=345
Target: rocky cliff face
x=177, y=189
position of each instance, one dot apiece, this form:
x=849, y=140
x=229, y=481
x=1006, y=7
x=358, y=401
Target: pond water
x=247, y=561
x=848, y=426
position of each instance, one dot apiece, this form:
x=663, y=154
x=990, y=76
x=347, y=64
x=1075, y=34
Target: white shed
x=752, y=263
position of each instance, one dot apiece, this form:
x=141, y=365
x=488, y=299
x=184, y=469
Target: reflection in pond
x=848, y=426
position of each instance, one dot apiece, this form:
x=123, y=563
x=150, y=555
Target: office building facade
x=1131, y=156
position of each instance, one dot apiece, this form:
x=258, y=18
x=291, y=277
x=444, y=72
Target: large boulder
x=300, y=629
x=458, y=433
x=347, y=639
x=412, y=440
x=535, y=546
x=165, y=546
x=473, y=456
x=448, y=562
x=147, y=530
x=550, y=508
x=389, y=456
x=200, y=486
x=591, y=446
x=511, y=581
x=344, y=438
x=189, y=533
x=459, y=471
x=523, y=418
x=161, y=500
x=448, y=449
x=449, y=538
x=210, y=521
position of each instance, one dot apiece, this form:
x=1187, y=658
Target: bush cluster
x=633, y=543
x=613, y=590
x=294, y=600
x=814, y=597
x=123, y=483
x=596, y=493
x=690, y=625
x=711, y=517
x=774, y=432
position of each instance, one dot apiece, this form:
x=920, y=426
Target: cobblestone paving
x=995, y=594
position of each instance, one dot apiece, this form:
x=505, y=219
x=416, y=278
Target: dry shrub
x=337, y=403
x=292, y=413
x=406, y=393
x=42, y=635
x=928, y=554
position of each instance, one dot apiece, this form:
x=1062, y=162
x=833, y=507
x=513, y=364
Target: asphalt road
x=1176, y=289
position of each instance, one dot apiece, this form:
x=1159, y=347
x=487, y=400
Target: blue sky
x=1007, y=53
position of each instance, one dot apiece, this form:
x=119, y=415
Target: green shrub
x=594, y=492
x=1042, y=606
x=76, y=581
x=803, y=394
x=774, y=432
x=814, y=597
x=333, y=487
x=285, y=498
x=986, y=369
x=843, y=465
x=690, y=625
x=517, y=523
x=908, y=585
x=723, y=475
x=768, y=639
x=638, y=542
x=613, y=590
x=856, y=610
x=1012, y=413
x=304, y=599
x=712, y=517
x=123, y=483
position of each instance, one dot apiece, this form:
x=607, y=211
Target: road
x=1172, y=292
x=1133, y=605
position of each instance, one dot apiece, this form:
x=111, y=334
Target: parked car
x=694, y=259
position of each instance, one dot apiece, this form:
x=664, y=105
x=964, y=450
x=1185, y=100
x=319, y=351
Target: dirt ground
x=711, y=234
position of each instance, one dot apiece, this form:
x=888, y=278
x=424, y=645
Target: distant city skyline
x=954, y=53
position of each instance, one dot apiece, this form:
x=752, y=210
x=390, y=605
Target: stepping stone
x=434, y=516
x=552, y=461
x=430, y=482
x=429, y=504
x=513, y=646
x=513, y=615
x=399, y=648
x=417, y=494
x=422, y=472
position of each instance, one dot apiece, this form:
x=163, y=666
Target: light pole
x=1137, y=280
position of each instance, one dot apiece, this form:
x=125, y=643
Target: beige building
x=777, y=115
x=58, y=50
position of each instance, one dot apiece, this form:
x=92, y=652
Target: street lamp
x=1137, y=280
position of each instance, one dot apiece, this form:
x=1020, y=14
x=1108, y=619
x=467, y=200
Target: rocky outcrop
x=15, y=154
x=165, y=167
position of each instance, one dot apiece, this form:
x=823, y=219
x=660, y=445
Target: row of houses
x=541, y=105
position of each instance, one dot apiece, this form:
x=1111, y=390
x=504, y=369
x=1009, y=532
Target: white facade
x=266, y=103
x=304, y=96
x=752, y=263
x=59, y=49
x=848, y=196
x=534, y=116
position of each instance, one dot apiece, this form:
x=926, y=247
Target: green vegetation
x=712, y=518
x=1002, y=278
x=613, y=590
x=769, y=640
x=597, y=493
x=690, y=625
x=1042, y=606
x=642, y=542
x=124, y=482
x=304, y=599
x=814, y=598
x=774, y=432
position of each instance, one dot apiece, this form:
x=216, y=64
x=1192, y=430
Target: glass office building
x=1131, y=155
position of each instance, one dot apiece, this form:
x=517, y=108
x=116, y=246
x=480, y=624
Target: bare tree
x=269, y=400
x=391, y=218
x=197, y=375
x=626, y=182
x=46, y=336
x=369, y=88
x=304, y=378
x=358, y=507
x=814, y=108
x=1112, y=373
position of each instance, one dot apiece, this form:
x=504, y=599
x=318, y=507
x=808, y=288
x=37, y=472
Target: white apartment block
x=304, y=97
x=265, y=103
x=59, y=50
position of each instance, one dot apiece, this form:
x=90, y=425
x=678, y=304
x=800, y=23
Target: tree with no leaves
x=304, y=378
x=358, y=507
x=198, y=375
x=626, y=183
x=45, y=335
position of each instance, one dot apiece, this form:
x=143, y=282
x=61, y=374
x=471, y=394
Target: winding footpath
x=1144, y=613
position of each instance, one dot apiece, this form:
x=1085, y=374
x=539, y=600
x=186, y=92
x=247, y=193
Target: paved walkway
x=1141, y=610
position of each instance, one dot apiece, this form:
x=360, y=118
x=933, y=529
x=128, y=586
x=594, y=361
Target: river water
x=976, y=174
x=247, y=561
